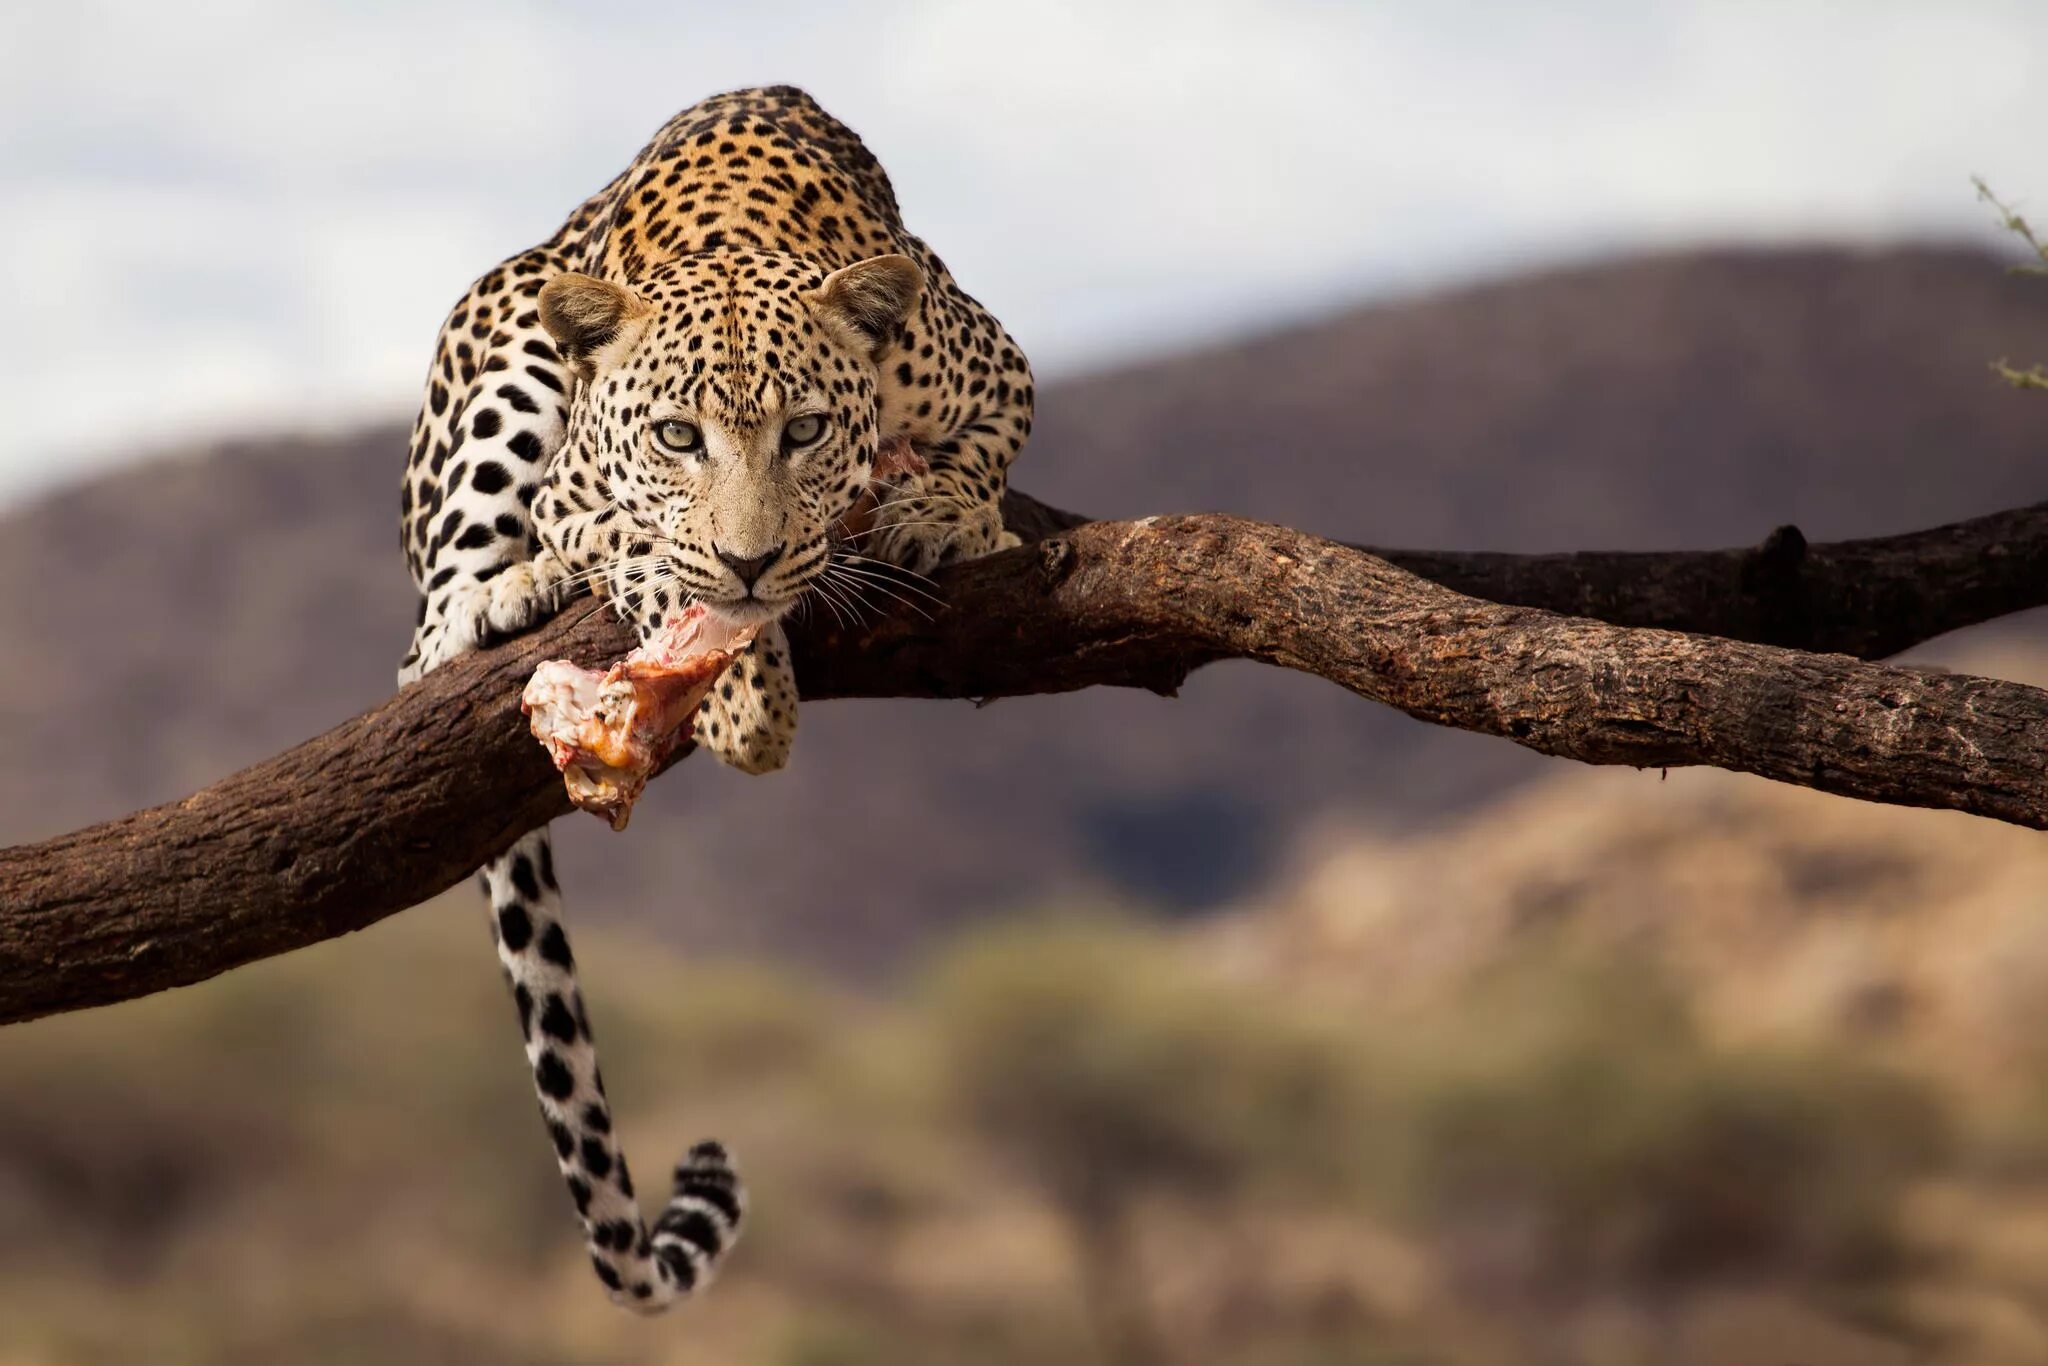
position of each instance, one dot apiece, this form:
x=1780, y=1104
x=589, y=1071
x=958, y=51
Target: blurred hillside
x=1740, y=1074
x=187, y=616
x=1778, y=911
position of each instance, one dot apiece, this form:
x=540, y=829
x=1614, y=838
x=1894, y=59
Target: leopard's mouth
x=748, y=611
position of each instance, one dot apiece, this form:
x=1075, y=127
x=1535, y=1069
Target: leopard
x=732, y=379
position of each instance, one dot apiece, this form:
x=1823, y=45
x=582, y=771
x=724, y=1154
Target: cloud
x=260, y=215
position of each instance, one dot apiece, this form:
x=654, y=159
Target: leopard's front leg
x=469, y=613
x=749, y=720
x=493, y=419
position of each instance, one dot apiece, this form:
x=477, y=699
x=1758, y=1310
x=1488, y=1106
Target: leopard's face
x=729, y=408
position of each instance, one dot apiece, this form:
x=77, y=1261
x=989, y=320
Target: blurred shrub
x=1099, y=1059
x=928, y=1339
x=1575, y=1133
x=334, y=1156
x=1100, y=1062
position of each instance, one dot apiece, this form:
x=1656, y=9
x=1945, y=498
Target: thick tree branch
x=1869, y=598
x=405, y=800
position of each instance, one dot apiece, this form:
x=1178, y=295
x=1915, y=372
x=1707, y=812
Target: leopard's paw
x=523, y=596
x=469, y=616
x=931, y=533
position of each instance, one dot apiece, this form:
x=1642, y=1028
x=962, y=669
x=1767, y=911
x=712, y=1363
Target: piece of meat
x=896, y=457
x=608, y=732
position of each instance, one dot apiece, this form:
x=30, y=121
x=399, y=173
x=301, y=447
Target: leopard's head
x=728, y=401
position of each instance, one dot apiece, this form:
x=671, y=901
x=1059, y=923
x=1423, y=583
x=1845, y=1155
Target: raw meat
x=609, y=732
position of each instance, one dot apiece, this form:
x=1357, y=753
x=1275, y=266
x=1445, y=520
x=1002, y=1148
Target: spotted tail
x=645, y=1269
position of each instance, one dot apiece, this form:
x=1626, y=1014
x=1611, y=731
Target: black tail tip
x=707, y=1174
x=707, y=1164
x=706, y=1185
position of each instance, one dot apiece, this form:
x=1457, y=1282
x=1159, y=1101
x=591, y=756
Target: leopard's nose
x=751, y=567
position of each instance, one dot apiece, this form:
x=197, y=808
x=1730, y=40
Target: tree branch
x=1870, y=598
x=403, y=801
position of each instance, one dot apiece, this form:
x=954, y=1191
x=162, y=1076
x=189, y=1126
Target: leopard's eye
x=802, y=431
x=681, y=437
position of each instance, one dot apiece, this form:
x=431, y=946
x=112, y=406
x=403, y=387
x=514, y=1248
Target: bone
x=609, y=732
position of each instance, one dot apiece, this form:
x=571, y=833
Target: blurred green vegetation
x=1072, y=1141
x=1578, y=1106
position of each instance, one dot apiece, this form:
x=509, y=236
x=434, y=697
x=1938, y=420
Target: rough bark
x=1871, y=598
x=405, y=800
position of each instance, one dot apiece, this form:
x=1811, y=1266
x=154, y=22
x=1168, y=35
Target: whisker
x=911, y=501
x=833, y=604
x=874, y=568
x=830, y=592
x=878, y=530
x=895, y=593
x=855, y=580
x=597, y=571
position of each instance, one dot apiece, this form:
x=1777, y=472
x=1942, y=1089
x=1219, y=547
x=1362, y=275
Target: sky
x=238, y=217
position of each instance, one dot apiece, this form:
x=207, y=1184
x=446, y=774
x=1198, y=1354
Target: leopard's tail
x=647, y=1269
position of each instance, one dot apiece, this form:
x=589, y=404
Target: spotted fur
x=746, y=283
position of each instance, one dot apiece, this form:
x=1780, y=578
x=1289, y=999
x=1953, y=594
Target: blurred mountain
x=181, y=618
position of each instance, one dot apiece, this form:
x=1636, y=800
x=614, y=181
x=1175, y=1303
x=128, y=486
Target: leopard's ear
x=585, y=315
x=871, y=299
